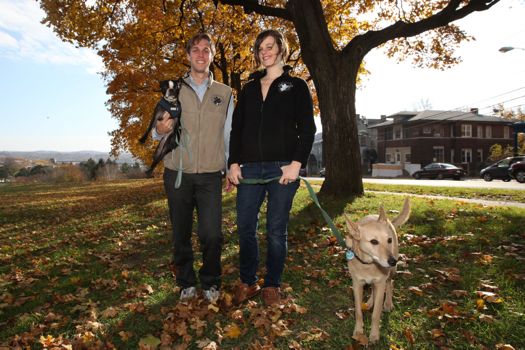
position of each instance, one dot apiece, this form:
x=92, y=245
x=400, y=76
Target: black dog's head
x=170, y=99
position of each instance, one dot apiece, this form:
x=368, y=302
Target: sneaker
x=245, y=292
x=211, y=295
x=188, y=293
x=271, y=296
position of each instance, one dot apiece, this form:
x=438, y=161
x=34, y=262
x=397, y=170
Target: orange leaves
x=232, y=331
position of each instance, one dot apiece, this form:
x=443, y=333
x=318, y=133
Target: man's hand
x=228, y=186
x=165, y=125
x=290, y=172
x=235, y=175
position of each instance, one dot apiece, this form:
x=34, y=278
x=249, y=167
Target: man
x=206, y=120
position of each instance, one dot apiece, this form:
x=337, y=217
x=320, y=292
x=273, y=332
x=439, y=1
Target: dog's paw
x=374, y=337
x=361, y=339
x=388, y=306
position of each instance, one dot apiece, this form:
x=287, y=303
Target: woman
x=272, y=134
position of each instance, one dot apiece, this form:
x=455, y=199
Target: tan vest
x=203, y=130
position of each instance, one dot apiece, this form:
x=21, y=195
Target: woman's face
x=269, y=54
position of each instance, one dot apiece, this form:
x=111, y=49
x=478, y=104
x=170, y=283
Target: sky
x=52, y=96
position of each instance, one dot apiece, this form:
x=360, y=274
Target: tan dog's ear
x=353, y=229
x=382, y=215
x=404, y=215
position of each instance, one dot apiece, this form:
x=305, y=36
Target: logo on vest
x=217, y=100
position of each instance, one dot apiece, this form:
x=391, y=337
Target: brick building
x=462, y=138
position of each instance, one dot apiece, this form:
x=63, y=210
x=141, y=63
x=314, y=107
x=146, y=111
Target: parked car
x=517, y=171
x=440, y=171
x=322, y=172
x=500, y=169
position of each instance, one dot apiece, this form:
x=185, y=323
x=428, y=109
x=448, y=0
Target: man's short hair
x=197, y=38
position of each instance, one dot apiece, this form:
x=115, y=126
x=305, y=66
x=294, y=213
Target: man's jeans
x=203, y=191
x=249, y=201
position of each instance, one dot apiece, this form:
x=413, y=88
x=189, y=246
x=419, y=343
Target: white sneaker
x=211, y=295
x=188, y=293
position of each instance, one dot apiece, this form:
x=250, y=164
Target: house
x=457, y=137
x=367, y=146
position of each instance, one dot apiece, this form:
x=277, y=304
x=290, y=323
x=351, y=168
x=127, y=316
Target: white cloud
x=22, y=36
x=7, y=41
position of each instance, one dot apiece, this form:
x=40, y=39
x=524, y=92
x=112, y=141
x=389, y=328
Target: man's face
x=200, y=56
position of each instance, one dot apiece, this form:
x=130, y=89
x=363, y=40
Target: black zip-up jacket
x=280, y=128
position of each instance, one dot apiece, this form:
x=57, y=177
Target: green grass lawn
x=88, y=267
x=489, y=194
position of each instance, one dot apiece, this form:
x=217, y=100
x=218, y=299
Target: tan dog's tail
x=404, y=215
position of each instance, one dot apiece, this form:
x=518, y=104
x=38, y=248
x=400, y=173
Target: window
x=438, y=131
x=388, y=134
x=438, y=154
x=398, y=134
x=480, y=132
x=466, y=155
x=427, y=130
x=388, y=158
x=408, y=158
x=398, y=157
x=488, y=131
x=506, y=132
x=452, y=133
x=466, y=130
x=479, y=154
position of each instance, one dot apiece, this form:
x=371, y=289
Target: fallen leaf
x=149, y=342
x=415, y=290
x=232, y=331
x=409, y=335
x=437, y=332
x=486, y=318
x=504, y=347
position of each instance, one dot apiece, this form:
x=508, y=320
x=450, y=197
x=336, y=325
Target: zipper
x=260, y=130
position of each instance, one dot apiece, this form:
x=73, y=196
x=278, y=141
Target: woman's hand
x=234, y=174
x=290, y=172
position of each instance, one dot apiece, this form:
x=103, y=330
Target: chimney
x=474, y=110
x=383, y=117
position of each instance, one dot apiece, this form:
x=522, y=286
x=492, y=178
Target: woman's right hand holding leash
x=235, y=175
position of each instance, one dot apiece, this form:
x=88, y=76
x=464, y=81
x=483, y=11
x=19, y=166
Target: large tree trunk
x=341, y=153
x=334, y=75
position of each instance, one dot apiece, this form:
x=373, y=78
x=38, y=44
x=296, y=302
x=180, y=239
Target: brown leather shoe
x=245, y=292
x=271, y=296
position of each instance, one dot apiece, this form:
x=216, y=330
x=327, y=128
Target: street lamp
x=509, y=48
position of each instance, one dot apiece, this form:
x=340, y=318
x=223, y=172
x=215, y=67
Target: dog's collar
x=350, y=254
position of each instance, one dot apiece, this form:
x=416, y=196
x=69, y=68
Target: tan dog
x=372, y=257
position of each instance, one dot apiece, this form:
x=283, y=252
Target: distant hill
x=78, y=156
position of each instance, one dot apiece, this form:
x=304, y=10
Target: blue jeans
x=249, y=201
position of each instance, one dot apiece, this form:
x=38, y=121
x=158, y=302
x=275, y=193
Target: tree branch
x=450, y=13
x=250, y=6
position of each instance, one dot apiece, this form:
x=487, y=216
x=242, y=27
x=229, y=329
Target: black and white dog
x=170, y=103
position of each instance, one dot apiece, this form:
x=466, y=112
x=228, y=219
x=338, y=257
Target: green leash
x=326, y=217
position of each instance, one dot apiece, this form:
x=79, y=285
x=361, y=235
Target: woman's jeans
x=249, y=201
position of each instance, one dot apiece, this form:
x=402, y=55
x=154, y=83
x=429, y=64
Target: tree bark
x=334, y=75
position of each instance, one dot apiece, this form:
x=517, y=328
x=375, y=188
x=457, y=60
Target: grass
x=478, y=193
x=87, y=266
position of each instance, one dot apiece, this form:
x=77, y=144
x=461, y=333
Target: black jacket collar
x=257, y=75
